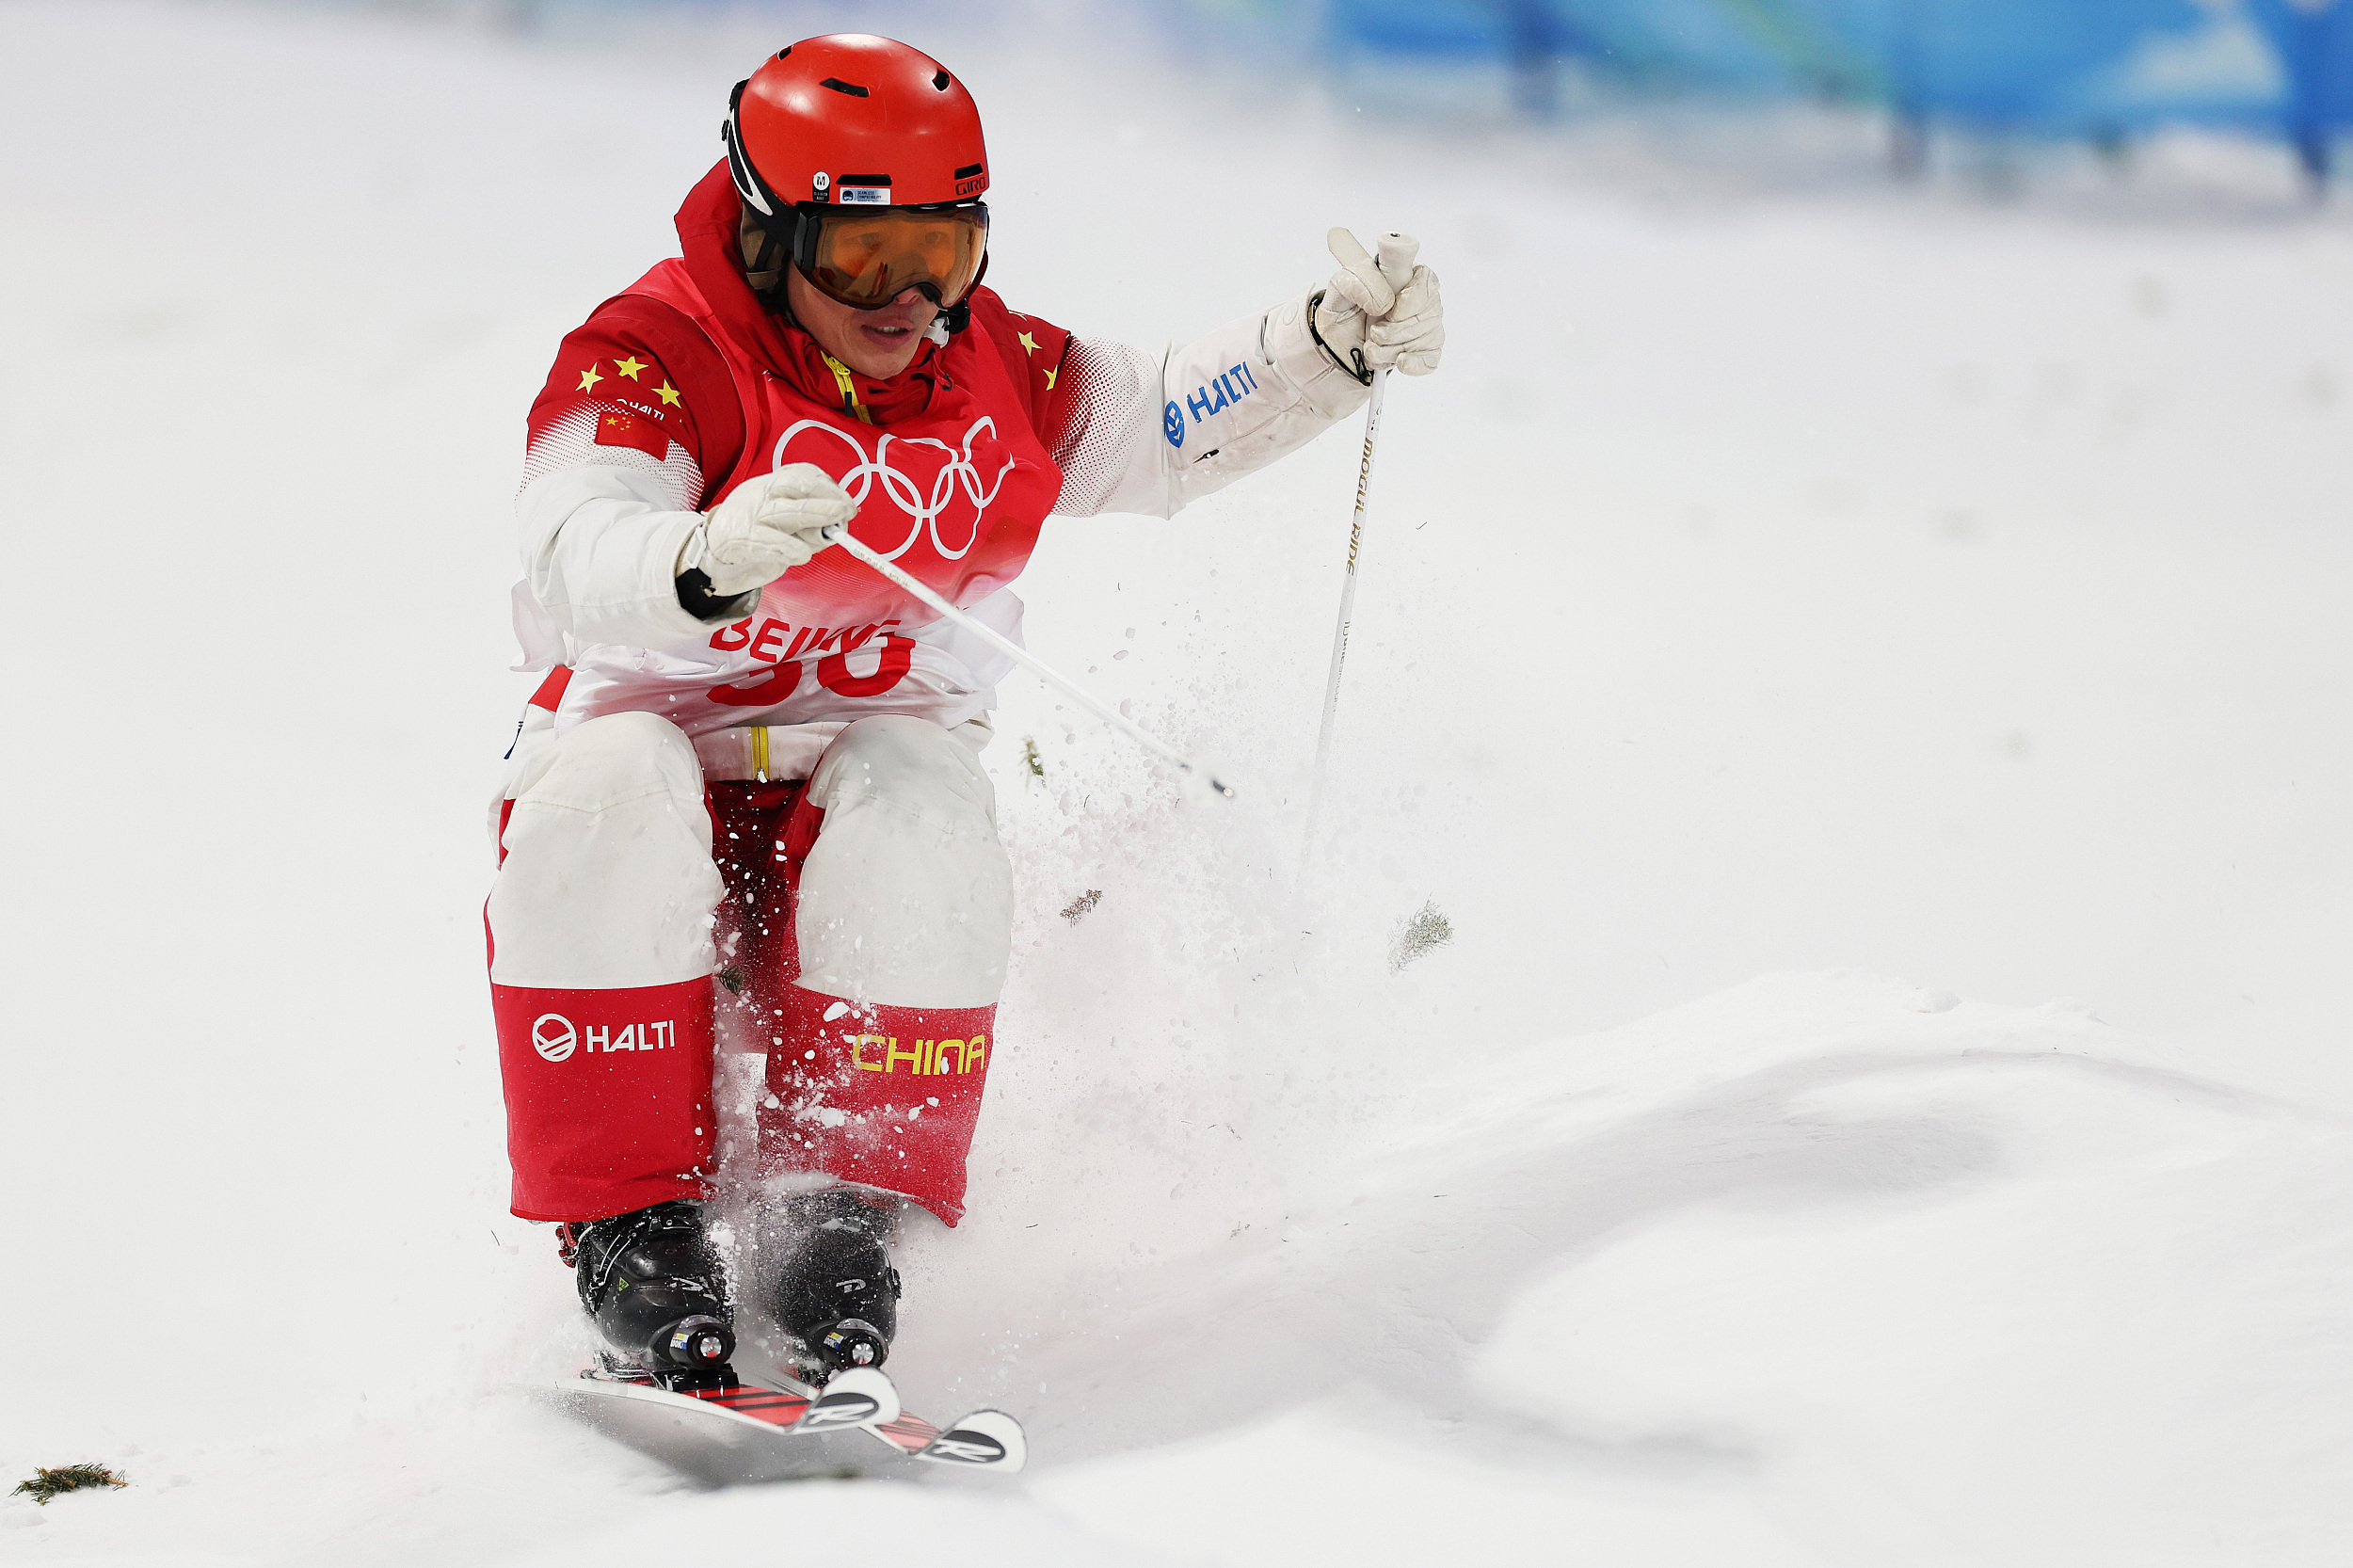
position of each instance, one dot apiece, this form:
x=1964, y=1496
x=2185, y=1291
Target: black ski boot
x=836, y=1292
x=656, y=1290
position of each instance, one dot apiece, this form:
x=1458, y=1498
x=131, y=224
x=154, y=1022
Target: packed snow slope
x=1785, y=584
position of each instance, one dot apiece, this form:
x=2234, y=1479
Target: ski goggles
x=866, y=257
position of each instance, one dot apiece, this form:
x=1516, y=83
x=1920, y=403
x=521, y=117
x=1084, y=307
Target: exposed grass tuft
x=46, y=1485
x=1421, y=933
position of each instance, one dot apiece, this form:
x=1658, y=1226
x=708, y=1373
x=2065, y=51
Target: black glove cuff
x=696, y=598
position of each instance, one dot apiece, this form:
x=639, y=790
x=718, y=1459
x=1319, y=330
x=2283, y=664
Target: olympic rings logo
x=957, y=472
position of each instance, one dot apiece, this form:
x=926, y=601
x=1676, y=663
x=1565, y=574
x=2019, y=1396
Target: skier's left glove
x=1378, y=314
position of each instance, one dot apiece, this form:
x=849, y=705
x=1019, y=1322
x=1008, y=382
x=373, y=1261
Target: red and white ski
x=860, y=1397
x=984, y=1440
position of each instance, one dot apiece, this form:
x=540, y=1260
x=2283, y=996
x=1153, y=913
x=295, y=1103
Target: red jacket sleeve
x=637, y=374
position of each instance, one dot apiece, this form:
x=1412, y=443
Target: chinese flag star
x=589, y=379
x=630, y=367
x=633, y=431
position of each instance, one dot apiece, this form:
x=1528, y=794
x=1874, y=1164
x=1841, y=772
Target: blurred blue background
x=2094, y=69
x=2097, y=71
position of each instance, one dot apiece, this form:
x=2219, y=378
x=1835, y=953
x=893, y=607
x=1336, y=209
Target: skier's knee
x=610, y=760
x=608, y=879
x=910, y=763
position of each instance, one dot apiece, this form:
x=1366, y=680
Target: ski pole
x=838, y=533
x=1348, y=606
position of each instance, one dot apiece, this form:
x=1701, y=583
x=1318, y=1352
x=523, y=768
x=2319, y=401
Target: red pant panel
x=759, y=857
x=887, y=1096
x=608, y=1097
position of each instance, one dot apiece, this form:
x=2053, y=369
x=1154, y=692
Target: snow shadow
x=1390, y=1293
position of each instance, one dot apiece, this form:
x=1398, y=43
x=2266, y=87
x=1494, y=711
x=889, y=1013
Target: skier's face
x=879, y=343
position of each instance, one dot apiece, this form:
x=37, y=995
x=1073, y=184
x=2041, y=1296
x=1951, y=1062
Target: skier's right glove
x=763, y=529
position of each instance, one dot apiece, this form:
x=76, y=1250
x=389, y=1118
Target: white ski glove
x=1379, y=314
x=764, y=528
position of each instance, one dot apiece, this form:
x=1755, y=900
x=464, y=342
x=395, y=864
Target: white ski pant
x=608, y=879
x=628, y=881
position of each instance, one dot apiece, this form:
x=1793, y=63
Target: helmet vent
x=783, y=52
x=967, y=171
x=839, y=85
x=941, y=81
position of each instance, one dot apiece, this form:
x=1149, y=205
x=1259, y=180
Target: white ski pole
x=1348, y=606
x=838, y=533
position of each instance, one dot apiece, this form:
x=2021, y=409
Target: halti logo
x=554, y=1043
x=554, y=1036
x=1173, y=424
x=1231, y=385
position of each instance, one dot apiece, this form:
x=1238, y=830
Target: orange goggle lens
x=868, y=258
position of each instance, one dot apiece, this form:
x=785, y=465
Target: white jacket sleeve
x=600, y=532
x=1149, y=433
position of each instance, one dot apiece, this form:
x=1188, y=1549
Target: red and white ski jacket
x=680, y=389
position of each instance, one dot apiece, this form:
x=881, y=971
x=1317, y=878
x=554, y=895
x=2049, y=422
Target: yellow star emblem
x=630, y=367
x=589, y=379
x=1050, y=377
x=1029, y=343
x=668, y=393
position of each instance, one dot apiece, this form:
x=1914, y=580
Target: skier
x=757, y=763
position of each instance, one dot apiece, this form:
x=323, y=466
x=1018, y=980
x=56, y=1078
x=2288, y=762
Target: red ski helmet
x=854, y=111
x=829, y=137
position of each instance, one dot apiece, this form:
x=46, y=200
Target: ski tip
x=984, y=1440
x=860, y=1397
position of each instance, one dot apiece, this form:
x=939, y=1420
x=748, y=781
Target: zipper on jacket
x=849, y=388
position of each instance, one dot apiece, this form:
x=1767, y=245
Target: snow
x=1788, y=585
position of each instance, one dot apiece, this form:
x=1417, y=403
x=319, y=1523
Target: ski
x=860, y=1397
x=984, y=1440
